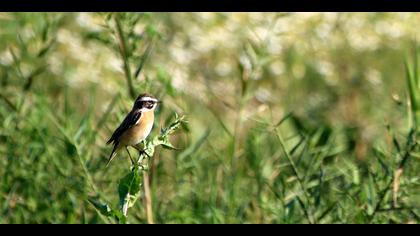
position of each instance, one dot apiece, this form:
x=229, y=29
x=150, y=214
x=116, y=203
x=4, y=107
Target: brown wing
x=130, y=120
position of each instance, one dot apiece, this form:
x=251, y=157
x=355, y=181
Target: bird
x=135, y=127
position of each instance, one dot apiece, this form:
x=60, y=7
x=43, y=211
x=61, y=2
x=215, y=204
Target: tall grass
x=301, y=154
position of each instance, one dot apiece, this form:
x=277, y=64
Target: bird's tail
x=113, y=153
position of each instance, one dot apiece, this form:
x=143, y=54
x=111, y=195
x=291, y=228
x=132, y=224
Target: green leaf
x=106, y=210
x=173, y=126
x=129, y=189
x=164, y=141
x=370, y=195
x=103, y=208
x=70, y=148
x=46, y=48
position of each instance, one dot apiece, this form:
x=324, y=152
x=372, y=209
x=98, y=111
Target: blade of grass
x=143, y=59
x=296, y=173
x=413, y=91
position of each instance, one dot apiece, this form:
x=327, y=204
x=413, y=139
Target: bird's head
x=146, y=102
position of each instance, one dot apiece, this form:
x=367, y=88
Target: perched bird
x=135, y=127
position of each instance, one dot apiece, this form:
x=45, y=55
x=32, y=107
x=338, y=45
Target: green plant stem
x=122, y=45
x=147, y=197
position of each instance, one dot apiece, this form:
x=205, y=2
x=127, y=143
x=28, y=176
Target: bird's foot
x=144, y=153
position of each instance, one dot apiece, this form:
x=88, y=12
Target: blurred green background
x=292, y=117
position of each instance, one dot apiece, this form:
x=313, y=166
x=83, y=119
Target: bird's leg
x=141, y=150
x=131, y=159
x=142, y=154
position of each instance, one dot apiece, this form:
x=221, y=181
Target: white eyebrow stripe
x=148, y=99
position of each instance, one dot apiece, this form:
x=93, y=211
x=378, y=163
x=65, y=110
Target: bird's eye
x=149, y=105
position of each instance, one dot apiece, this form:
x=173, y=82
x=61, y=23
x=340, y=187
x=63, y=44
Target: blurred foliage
x=293, y=117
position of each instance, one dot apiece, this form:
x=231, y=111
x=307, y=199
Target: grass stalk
x=305, y=207
x=122, y=46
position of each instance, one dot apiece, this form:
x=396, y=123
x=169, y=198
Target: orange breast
x=140, y=131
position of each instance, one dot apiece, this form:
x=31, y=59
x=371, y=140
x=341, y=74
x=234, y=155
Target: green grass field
x=290, y=117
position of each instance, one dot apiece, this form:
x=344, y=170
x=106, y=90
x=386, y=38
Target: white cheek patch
x=144, y=109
